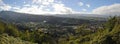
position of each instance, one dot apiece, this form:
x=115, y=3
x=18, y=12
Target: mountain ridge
x=15, y=17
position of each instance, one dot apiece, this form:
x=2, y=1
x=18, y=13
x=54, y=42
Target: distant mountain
x=84, y=16
x=51, y=19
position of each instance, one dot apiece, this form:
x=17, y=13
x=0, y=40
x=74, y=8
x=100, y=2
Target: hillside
x=107, y=35
x=39, y=29
x=15, y=17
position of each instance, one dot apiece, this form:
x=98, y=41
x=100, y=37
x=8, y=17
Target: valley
x=41, y=29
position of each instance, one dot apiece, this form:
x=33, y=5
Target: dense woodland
x=107, y=33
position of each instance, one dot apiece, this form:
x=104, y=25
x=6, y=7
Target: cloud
x=43, y=2
x=88, y=5
x=4, y=6
x=41, y=7
x=27, y=5
x=80, y=3
x=1, y=3
x=61, y=8
x=15, y=8
x=113, y=9
x=0, y=0
x=84, y=9
x=45, y=7
x=34, y=9
x=24, y=2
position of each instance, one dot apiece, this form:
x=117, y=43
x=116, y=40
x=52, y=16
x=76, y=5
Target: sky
x=101, y=7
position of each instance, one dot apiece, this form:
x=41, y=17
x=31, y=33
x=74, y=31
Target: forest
x=104, y=33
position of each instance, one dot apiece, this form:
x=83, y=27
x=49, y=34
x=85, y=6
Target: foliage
x=109, y=34
x=5, y=39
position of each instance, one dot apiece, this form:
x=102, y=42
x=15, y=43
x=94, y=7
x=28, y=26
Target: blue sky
x=93, y=3
x=57, y=6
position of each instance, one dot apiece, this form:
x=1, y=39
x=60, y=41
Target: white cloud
x=84, y=9
x=80, y=3
x=57, y=9
x=24, y=2
x=26, y=5
x=15, y=8
x=88, y=5
x=32, y=10
x=60, y=8
x=44, y=7
x=41, y=7
x=109, y=10
x=43, y=2
x=4, y=6
x=2, y=3
x=0, y=0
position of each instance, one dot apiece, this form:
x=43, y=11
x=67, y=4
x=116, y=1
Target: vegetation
x=107, y=33
x=5, y=39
